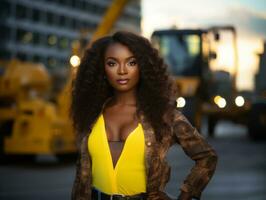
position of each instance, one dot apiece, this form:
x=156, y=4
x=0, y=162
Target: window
x=63, y=43
x=36, y=38
x=21, y=12
x=5, y=55
x=181, y=52
x=5, y=35
x=43, y=39
x=36, y=15
x=36, y=58
x=50, y=18
x=5, y=9
x=50, y=1
x=73, y=3
x=62, y=21
x=90, y=7
x=22, y=56
x=79, y=4
x=52, y=40
x=75, y=24
x=62, y=2
x=23, y=36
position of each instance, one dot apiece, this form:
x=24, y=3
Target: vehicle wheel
x=1, y=144
x=211, y=126
x=2, y=155
x=257, y=122
x=29, y=158
x=69, y=157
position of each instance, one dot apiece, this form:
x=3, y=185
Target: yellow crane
x=29, y=123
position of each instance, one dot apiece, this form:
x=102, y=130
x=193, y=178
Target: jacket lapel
x=149, y=145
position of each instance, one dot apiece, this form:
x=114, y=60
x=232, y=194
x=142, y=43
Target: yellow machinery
x=29, y=124
x=190, y=55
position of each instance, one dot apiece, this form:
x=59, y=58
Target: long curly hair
x=91, y=89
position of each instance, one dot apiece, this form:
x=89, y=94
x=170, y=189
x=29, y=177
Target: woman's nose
x=122, y=69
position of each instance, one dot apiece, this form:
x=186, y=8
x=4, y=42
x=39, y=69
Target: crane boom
x=109, y=19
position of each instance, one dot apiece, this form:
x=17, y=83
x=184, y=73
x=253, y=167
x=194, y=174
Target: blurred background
x=215, y=52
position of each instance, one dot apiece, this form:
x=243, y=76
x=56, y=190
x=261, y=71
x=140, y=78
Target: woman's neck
x=125, y=98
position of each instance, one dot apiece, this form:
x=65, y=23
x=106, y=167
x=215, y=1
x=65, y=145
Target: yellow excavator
x=191, y=55
x=30, y=124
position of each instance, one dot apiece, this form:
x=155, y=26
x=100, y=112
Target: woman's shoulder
x=172, y=113
x=174, y=116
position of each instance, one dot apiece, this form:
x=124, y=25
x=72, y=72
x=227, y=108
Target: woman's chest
x=119, y=126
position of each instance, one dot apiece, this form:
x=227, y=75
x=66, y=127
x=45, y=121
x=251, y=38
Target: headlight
x=180, y=102
x=239, y=101
x=220, y=101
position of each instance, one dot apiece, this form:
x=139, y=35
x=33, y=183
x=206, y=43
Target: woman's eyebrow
x=113, y=58
x=128, y=58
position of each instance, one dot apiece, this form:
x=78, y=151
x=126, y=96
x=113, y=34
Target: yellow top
x=128, y=177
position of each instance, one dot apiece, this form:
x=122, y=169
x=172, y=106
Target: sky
x=248, y=16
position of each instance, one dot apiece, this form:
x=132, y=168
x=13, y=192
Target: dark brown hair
x=91, y=89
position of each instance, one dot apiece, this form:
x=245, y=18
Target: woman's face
x=121, y=68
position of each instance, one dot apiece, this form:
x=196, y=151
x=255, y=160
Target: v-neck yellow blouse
x=128, y=177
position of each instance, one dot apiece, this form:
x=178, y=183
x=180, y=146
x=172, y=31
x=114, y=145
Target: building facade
x=43, y=30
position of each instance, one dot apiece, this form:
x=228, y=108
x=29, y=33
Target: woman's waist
x=99, y=195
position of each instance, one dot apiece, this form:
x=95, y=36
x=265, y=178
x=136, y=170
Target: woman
x=125, y=117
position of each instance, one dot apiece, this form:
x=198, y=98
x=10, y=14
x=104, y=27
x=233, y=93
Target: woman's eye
x=111, y=64
x=132, y=63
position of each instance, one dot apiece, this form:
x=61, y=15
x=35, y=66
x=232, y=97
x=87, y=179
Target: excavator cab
x=181, y=51
x=184, y=51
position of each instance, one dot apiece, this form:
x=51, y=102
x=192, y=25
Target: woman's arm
x=197, y=148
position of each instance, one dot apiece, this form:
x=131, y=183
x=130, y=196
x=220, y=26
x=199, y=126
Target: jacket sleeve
x=81, y=186
x=197, y=148
x=74, y=193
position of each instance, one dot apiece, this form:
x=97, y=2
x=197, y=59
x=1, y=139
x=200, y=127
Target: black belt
x=98, y=195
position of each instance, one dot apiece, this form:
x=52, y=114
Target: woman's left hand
x=184, y=196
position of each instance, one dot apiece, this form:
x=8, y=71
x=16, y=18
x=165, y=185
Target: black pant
x=98, y=195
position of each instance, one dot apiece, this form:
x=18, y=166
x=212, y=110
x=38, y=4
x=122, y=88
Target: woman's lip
x=122, y=81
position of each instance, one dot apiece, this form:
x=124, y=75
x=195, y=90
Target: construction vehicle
x=30, y=124
x=257, y=115
x=202, y=91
